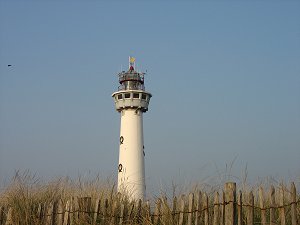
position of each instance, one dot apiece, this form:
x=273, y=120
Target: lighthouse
x=131, y=101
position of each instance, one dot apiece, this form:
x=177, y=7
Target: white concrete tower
x=131, y=100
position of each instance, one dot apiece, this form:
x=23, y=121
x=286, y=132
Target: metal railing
x=131, y=77
x=135, y=87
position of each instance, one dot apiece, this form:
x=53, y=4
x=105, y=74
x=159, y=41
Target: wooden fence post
x=157, y=212
x=130, y=211
x=75, y=210
x=97, y=208
x=190, y=212
x=121, y=213
x=174, y=211
x=66, y=214
x=181, y=210
x=250, y=209
x=71, y=213
x=9, y=217
x=59, y=212
x=2, y=215
x=85, y=204
x=223, y=208
x=240, y=208
x=293, y=197
x=262, y=206
x=147, y=213
x=230, y=201
x=216, y=220
x=113, y=211
x=272, y=206
x=198, y=205
x=105, y=212
x=40, y=213
x=139, y=212
x=165, y=210
x=49, y=214
x=206, y=209
x=100, y=212
x=281, y=203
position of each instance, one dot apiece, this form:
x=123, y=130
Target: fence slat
x=174, y=210
x=139, y=212
x=76, y=210
x=181, y=210
x=230, y=208
x=164, y=209
x=121, y=213
x=71, y=213
x=281, y=203
x=261, y=196
x=198, y=205
x=206, y=209
x=216, y=220
x=105, y=212
x=240, y=208
x=96, y=210
x=112, y=212
x=85, y=204
x=293, y=197
x=1, y=214
x=272, y=206
x=147, y=213
x=131, y=211
x=39, y=212
x=250, y=209
x=156, y=219
x=9, y=217
x=223, y=209
x=59, y=212
x=101, y=209
x=49, y=214
x=66, y=214
x=191, y=203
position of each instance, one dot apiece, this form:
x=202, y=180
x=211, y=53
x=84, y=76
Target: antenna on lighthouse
x=131, y=100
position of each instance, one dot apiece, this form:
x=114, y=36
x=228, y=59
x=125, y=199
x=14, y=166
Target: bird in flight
x=9, y=65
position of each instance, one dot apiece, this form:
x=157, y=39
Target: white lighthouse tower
x=131, y=100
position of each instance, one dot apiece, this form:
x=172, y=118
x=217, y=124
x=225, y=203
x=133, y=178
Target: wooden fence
x=230, y=207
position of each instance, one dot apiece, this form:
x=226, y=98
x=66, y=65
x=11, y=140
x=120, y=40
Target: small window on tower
x=143, y=96
x=120, y=97
x=127, y=95
x=136, y=95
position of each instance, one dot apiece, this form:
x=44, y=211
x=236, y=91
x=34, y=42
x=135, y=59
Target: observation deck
x=131, y=92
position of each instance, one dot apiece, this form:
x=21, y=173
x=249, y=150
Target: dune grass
x=27, y=200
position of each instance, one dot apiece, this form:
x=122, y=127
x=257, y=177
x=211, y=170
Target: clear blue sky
x=225, y=79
